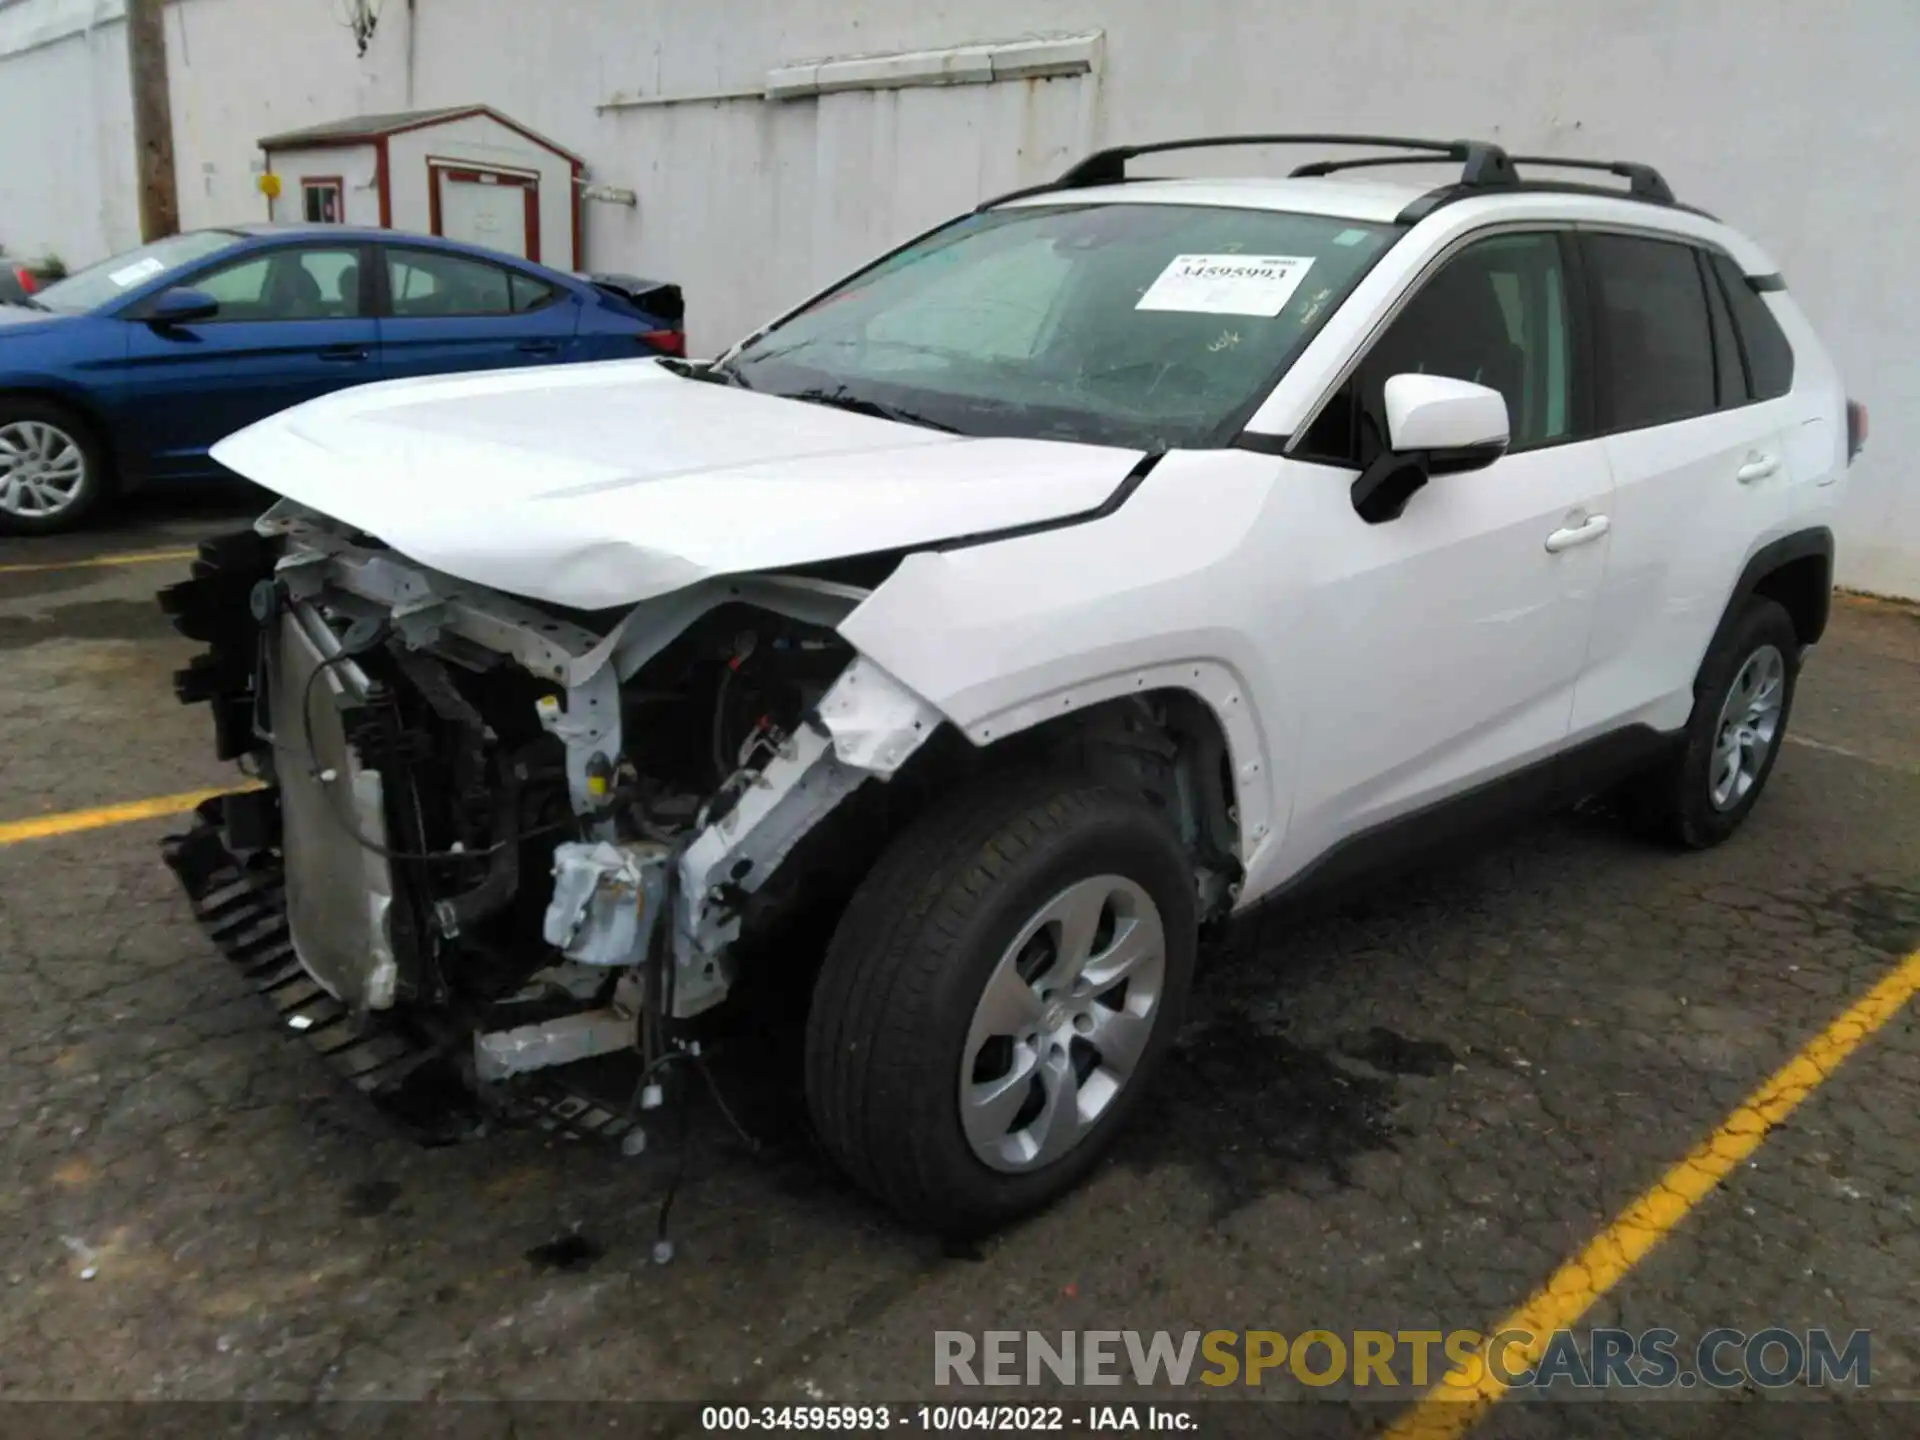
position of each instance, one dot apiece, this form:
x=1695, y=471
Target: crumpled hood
x=606, y=484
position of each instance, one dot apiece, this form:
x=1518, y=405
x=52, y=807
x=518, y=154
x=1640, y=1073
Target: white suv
x=1117, y=556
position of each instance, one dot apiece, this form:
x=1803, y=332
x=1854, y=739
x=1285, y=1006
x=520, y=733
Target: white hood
x=605, y=484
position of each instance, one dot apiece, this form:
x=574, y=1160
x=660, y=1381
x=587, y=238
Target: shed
x=463, y=171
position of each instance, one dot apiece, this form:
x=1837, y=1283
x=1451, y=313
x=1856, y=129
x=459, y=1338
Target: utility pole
x=152, y=118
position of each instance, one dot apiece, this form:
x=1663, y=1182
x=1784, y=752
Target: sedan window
x=434, y=283
x=100, y=284
x=290, y=284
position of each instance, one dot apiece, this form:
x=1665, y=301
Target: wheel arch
x=1183, y=733
x=1795, y=571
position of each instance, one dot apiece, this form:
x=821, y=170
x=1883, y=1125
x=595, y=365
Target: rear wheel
x=1741, y=704
x=52, y=470
x=996, y=998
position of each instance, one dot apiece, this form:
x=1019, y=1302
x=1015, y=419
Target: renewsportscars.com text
x=1386, y=1359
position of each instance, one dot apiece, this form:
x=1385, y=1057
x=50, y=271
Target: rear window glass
x=1656, y=347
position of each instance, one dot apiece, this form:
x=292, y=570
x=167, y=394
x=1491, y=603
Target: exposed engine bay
x=546, y=831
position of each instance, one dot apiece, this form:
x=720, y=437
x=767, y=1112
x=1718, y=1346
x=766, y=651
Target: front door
x=1443, y=647
x=291, y=326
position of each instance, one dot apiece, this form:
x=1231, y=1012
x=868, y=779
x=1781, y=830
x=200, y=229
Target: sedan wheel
x=43, y=471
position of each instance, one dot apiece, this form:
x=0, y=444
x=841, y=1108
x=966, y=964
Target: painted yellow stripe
x=1451, y=1408
x=70, y=822
x=132, y=557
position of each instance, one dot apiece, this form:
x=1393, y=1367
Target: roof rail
x=1484, y=166
x=1482, y=163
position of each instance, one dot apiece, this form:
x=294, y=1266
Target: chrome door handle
x=1758, y=467
x=1586, y=532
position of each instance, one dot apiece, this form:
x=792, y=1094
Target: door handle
x=1758, y=467
x=343, y=353
x=540, y=347
x=1587, y=531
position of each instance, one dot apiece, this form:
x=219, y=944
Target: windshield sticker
x=133, y=274
x=1227, y=284
x=1349, y=237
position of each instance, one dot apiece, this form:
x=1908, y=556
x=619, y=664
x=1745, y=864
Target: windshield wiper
x=711, y=372
x=27, y=302
x=840, y=400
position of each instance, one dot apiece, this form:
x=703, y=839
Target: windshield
x=1131, y=324
x=96, y=285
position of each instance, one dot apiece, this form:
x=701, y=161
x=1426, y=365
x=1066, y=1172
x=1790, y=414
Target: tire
x=899, y=1005
x=1689, y=801
x=42, y=444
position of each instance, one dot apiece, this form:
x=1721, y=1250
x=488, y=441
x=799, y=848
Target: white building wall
x=1794, y=121
x=357, y=166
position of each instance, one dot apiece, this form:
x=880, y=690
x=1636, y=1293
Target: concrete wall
x=1795, y=121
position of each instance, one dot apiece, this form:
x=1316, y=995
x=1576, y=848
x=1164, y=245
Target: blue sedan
x=129, y=370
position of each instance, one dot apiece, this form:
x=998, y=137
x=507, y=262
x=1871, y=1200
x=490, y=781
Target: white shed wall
x=484, y=141
x=358, y=167
x=1794, y=121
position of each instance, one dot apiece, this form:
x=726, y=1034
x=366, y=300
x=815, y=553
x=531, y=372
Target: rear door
x=444, y=311
x=293, y=324
x=1700, y=475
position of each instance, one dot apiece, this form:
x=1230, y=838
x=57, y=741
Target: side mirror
x=1436, y=425
x=181, y=306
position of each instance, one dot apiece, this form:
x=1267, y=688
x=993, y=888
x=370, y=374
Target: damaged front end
x=493, y=839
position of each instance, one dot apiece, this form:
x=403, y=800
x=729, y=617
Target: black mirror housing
x=180, y=306
x=1381, y=491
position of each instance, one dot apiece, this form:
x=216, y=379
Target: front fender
x=1175, y=589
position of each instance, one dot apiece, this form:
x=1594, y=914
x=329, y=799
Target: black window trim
x=1720, y=305
x=228, y=261
x=1582, y=345
x=1759, y=289
x=383, y=290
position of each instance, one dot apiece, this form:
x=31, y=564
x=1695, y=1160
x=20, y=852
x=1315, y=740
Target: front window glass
x=1129, y=324
x=96, y=285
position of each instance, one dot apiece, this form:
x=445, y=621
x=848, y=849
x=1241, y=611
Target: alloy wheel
x=1749, y=725
x=1062, y=1023
x=43, y=470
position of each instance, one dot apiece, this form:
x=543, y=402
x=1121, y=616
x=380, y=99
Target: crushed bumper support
x=419, y=1081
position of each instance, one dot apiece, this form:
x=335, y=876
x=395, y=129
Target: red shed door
x=499, y=209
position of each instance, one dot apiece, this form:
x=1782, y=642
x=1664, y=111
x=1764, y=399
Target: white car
x=1100, y=564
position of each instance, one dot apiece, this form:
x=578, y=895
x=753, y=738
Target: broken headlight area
x=494, y=840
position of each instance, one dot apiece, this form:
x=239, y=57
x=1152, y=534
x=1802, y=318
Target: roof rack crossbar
x=1642, y=180
x=1314, y=168
x=1483, y=163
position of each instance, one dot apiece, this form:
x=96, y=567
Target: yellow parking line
x=1452, y=1407
x=69, y=822
x=131, y=557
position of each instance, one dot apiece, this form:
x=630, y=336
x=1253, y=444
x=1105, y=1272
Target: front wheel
x=997, y=997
